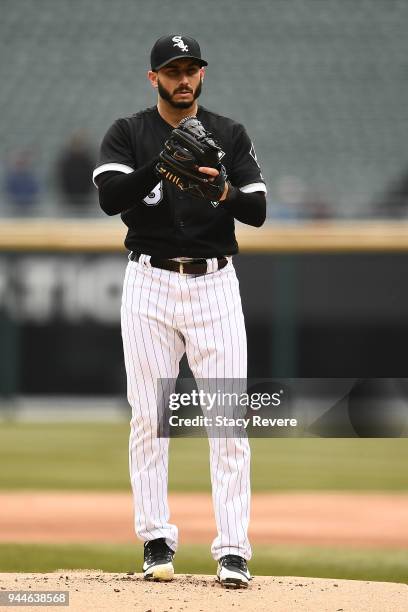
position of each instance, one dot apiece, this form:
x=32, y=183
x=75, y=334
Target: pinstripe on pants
x=163, y=315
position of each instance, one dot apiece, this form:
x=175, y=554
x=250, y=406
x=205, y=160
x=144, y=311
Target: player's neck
x=172, y=115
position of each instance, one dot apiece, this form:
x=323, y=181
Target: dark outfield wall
x=306, y=315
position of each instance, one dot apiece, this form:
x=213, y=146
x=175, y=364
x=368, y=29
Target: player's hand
x=213, y=172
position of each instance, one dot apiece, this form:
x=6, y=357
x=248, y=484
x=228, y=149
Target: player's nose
x=184, y=78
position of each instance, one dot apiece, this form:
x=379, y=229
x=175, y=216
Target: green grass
x=380, y=565
x=93, y=456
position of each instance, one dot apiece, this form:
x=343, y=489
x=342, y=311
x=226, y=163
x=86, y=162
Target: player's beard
x=166, y=95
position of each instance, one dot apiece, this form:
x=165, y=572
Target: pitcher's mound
x=96, y=590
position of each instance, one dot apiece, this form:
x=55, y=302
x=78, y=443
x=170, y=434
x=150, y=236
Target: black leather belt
x=198, y=266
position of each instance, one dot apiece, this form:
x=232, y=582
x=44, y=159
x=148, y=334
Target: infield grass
x=380, y=565
x=94, y=456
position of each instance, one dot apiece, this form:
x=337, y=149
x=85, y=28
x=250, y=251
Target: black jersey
x=167, y=222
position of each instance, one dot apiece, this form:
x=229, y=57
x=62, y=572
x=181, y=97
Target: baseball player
x=181, y=293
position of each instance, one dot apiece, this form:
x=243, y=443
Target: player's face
x=180, y=82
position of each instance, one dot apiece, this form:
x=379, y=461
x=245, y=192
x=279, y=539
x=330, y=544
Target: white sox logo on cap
x=174, y=46
x=178, y=42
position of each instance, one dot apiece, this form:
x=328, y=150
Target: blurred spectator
x=317, y=208
x=74, y=172
x=21, y=183
x=290, y=191
x=394, y=201
x=295, y=202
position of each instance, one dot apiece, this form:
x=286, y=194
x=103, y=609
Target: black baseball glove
x=189, y=147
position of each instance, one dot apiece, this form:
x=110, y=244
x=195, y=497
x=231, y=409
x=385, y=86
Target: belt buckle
x=182, y=264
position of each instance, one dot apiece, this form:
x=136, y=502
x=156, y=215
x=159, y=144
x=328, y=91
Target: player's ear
x=202, y=73
x=152, y=76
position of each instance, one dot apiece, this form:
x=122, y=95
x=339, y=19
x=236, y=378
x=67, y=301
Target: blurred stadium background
x=322, y=89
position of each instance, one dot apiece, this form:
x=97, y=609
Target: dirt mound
x=93, y=590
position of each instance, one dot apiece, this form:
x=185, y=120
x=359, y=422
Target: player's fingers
x=210, y=171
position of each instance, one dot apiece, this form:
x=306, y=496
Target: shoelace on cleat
x=235, y=561
x=157, y=550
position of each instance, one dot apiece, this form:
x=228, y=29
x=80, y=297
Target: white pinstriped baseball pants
x=163, y=315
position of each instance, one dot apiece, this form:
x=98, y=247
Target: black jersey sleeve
x=246, y=173
x=119, y=192
x=249, y=208
x=116, y=153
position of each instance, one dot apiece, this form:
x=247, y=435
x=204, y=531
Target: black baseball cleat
x=232, y=572
x=158, y=560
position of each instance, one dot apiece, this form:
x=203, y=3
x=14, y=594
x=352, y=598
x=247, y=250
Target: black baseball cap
x=174, y=46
